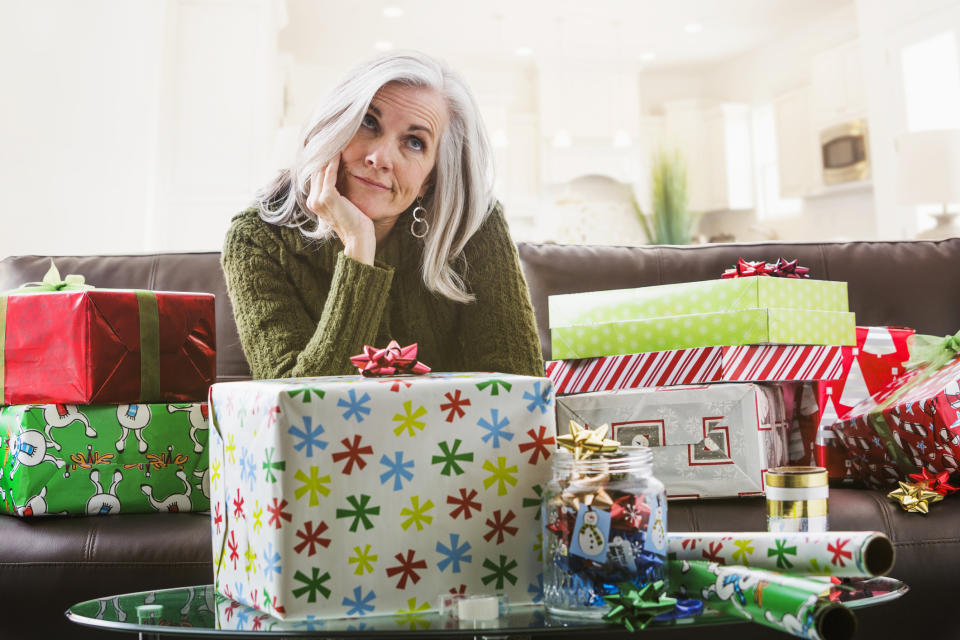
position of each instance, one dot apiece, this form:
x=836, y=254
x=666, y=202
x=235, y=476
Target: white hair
x=461, y=193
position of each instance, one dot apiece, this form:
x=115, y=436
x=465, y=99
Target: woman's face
x=387, y=163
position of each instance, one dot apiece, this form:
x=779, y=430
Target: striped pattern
x=752, y=363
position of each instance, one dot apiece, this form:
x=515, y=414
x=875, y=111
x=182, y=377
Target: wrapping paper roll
x=794, y=604
x=838, y=553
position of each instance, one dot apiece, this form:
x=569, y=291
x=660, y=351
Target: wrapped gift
x=739, y=311
x=876, y=361
x=346, y=496
x=913, y=423
x=102, y=460
x=749, y=363
x=708, y=441
x=106, y=346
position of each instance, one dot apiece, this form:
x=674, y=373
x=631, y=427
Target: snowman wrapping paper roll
x=604, y=523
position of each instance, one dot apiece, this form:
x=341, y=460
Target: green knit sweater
x=303, y=308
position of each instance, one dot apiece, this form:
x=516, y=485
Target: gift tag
x=590, y=534
x=656, y=538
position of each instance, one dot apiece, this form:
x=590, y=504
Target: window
x=931, y=84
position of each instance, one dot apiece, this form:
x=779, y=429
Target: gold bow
x=585, y=442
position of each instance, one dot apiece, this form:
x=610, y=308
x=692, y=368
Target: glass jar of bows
x=604, y=523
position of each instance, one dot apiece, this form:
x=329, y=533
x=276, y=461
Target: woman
x=384, y=228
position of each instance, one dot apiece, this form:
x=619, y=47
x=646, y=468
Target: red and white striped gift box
x=751, y=363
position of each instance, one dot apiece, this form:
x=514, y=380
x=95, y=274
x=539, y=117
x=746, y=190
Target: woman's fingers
x=330, y=175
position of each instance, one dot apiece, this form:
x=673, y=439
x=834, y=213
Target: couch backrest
x=890, y=283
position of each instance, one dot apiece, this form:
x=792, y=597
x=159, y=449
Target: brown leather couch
x=46, y=564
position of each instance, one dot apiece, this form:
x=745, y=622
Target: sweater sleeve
x=498, y=331
x=277, y=333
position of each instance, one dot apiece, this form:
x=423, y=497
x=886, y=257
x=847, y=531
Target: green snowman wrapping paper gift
x=64, y=459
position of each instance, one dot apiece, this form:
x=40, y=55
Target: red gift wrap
x=107, y=346
x=910, y=425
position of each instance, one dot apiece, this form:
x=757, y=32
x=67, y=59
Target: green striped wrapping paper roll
x=794, y=604
x=845, y=554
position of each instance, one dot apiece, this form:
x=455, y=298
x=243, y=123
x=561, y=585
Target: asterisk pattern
x=269, y=466
x=450, y=458
x=360, y=513
x=743, y=552
x=416, y=514
x=360, y=604
x=499, y=526
x=312, y=584
x=413, y=615
x=363, y=559
x=353, y=455
x=454, y=407
x=407, y=569
x=277, y=513
x=453, y=554
x=839, y=553
x=496, y=428
x=311, y=538
x=538, y=442
x=309, y=436
x=464, y=504
x=781, y=552
x=355, y=407
x=539, y=400
x=313, y=484
x=501, y=475
x=398, y=469
x=409, y=419
x=499, y=572
x=495, y=386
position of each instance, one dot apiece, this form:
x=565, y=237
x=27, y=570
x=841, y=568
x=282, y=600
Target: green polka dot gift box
x=90, y=460
x=346, y=496
x=687, y=315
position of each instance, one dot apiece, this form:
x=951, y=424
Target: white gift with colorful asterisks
x=348, y=496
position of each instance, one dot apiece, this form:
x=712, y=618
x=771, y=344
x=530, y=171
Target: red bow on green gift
x=390, y=361
x=781, y=269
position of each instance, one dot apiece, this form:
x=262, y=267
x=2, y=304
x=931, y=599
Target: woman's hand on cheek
x=350, y=224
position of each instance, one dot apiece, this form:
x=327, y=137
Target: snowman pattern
x=591, y=540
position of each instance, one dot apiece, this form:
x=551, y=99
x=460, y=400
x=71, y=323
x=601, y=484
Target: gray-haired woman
x=384, y=228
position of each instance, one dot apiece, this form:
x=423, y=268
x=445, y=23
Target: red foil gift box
x=106, y=346
x=911, y=424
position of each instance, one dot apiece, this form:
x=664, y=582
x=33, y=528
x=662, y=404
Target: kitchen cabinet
x=838, y=85
x=715, y=141
x=798, y=160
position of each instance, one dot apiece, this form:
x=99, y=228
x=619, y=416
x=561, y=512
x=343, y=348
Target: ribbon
x=389, y=361
x=914, y=497
x=781, y=269
x=635, y=607
x=932, y=350
x=51, y=283
x=939, y=482
x=149, y=346
x=585, y=442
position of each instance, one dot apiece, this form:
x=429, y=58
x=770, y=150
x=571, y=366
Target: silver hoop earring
x=418, y=219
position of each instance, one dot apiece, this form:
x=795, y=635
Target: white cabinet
x=715, y=142
x=797, y=149
x=838, y=85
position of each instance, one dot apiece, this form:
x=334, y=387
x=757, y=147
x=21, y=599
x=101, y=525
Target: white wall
x=78, y=124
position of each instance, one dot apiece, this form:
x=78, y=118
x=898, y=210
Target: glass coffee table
x=200, y=612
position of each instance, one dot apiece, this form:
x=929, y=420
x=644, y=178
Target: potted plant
x=671, y=221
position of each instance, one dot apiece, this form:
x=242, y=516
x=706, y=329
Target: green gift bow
x=52, y=282
x=636, y=607
x=149, y=326
x=932, y=350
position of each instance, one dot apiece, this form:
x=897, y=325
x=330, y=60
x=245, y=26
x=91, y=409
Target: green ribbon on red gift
x=149, y=326
x=932, y=351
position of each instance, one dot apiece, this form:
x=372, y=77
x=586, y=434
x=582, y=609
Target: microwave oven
x=844, y=152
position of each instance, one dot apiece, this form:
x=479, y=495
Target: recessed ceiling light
x=524, y=51
x=621, y=139
x=383, y=45
x=647, y=56
x=693, y=27
x=392, y=12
